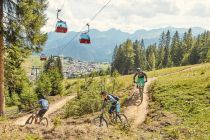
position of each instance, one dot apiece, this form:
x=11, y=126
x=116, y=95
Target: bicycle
x=101, y=121
x=137, y=96
x=42, y=121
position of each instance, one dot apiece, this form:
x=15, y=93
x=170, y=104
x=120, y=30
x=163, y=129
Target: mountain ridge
x=104, y=42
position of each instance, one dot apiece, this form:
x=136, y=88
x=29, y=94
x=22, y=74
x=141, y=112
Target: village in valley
x=73, y=68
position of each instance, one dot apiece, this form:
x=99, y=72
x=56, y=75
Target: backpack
x=115, y=97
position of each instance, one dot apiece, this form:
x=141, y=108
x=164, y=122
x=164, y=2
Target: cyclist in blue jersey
x=44, y=106
x=114, y=100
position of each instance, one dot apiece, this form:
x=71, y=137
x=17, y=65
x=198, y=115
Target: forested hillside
x=104, y=42
x=172, y=50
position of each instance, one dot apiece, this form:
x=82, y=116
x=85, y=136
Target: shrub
x=44, y=85
x=56, y=82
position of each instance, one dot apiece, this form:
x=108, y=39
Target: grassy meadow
x=33, y=60
x=183, y=99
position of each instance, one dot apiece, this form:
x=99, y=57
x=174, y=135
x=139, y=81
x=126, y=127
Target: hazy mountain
x=103, y=42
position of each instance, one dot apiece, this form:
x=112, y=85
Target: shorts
x=115, y=107
x=140, y=82
x=41, y=113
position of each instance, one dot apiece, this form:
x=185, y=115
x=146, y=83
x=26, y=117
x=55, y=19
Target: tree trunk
x=2, y=100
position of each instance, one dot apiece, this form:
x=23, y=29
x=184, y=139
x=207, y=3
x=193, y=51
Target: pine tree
x=151, y=57
x=143, y=56
x=161, y=50
x=43, y=85
x=176, y=50
x=194, y=56
x=56, y=82
x=129, y=56
x=59, y=66
x=189, y=41
x=208, y=56
x=137, y=53
x=22, y=38
x=120, y=60
x=203, y=46
x=166, y=58
x=114, y=56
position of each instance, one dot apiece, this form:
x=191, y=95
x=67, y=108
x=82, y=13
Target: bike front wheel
x=140, y=96
x=121, y=118
x=44, y=121
x=30, y=120
x=100, y=122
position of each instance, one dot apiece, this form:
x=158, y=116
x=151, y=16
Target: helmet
x=138, y=69
x=103, y=92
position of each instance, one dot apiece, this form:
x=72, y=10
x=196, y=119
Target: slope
x=103, y=42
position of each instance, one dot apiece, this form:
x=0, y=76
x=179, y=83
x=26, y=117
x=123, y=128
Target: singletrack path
x=53, y=107
x=137, y=114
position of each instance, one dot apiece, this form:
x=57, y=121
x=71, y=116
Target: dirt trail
x=137, y=114
x=54, y=107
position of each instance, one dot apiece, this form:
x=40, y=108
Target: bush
x=88, y=101
x=44, y=85
x=56, y=82
x=28, y=97
x=88, y=98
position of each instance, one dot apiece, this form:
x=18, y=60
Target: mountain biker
x=142, y=78
x=114, y=100
x=44, y=106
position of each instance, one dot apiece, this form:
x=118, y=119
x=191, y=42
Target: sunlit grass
x=186, y=94
x=33, y=60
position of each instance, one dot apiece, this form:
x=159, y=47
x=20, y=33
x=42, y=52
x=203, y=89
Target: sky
x=130, y=15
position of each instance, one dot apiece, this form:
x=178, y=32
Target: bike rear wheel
x=44, y=121
x=121, y=118
x=100, y=122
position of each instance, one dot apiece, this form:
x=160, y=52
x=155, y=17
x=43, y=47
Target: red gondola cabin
x=61, y=27
x=85, y=38
x=43, y=57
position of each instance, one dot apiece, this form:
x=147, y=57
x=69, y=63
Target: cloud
x=147, y=8
x=130, y=15
x=200, y=10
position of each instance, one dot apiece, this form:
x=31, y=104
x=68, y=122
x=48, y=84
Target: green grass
x=88, y=93
x=33, y=60
x=161, y=72
x=187, y=95
x=71, y=85
x=11, y=111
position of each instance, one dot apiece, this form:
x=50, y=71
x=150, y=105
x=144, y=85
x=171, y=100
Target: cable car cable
x=93, y=18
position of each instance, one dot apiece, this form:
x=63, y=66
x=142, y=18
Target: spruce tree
x=23, y=36
x=137, y=53
x=59, y=66
x=166, y=58
x=161, y=50
x=143, y=57
x=176, y=50
x=113, y=65
x=129, y=56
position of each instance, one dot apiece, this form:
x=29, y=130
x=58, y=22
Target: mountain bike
x=31, y=120
x=116, y=118
x=136, y=96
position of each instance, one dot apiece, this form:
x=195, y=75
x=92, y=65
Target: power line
x=93, y=18
x=100, y=11
x=63, y=4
